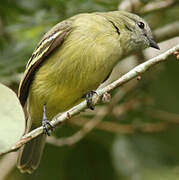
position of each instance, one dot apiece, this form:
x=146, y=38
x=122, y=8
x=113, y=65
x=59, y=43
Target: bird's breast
x=80, y=65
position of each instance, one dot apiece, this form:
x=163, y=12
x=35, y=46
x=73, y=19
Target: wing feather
x=51, y=40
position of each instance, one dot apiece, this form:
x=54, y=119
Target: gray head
x=133, y=27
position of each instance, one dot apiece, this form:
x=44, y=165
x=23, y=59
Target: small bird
x=69, y=63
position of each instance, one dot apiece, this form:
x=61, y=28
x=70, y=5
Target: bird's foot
x=89, y=99
x=47, y=126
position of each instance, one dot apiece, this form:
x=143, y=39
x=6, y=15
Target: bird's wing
x=51, y=40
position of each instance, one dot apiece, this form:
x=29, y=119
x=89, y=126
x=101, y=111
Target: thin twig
x=169, y=31
x=88, y=126
x=110, y=127
x=138, y=7
x=107, y=126
x=56, y=121
x=156, y=6
x=164, y=115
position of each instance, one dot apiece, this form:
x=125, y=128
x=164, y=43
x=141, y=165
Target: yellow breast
x=80, y=65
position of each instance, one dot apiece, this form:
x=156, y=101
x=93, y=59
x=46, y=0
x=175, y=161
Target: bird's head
x=135, y=31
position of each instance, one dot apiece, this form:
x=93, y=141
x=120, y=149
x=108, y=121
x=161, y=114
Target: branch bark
x=136, y=6
x=169, y=31
x=62, y=117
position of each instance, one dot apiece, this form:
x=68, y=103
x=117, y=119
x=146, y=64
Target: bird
x=69, y=63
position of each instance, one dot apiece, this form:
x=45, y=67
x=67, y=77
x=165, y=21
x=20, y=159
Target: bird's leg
x=47, y=126
x=89, y=98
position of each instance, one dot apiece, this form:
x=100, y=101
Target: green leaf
x=12, y=120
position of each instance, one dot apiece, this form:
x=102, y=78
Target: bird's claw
x=47, y=126
x=89, y=99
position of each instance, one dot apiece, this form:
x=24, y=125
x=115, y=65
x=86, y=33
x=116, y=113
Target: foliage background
x=145, y=146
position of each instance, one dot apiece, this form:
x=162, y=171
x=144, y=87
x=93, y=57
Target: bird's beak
x=153, y=43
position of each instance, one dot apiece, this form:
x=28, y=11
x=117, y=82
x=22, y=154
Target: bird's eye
x=141, y=25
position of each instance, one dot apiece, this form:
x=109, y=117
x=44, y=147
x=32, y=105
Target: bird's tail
x=30, y=154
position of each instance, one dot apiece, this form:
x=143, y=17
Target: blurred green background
x=138, y=137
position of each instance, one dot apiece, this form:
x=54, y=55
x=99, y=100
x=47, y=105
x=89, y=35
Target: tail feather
x=30, y=154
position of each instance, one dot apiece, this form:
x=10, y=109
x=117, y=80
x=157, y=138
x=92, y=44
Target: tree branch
x=156, y=6
x=136, y=6
x=113, y=127
x=164, y=116
x=88, y=126
x=169, y=31
x=62, y=117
